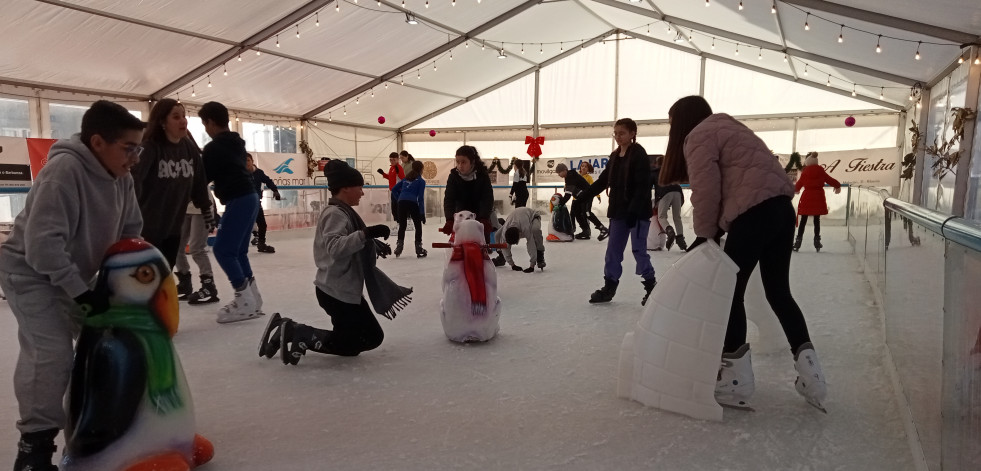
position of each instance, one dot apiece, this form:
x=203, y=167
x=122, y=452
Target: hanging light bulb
x=418, y=75
x=178, y=97
x=209, y=81
x=277, y=40
x=560, y=47
x=853, y=89
x=466, y=44
x=240, y=58
x=760, y=57
x=805, y=69
x=451, y=54
x=773, y=8
x=372, y=92
x=713, y=42
x=258, y=52
x=841, y=34
x=427, y=3
x=706, y=3
x=318, y=22
x=297, y=31
x=482, y=45
x=453, y=3
x=401, y=79
x=337, y=6
x=434, y=66
x=917, y=56
x=977, y=60
x=403, y=3
x=960, y=60
x=807, y=27
x=878, y=46
x=236, y=119
x=224, y=70
x=522, y=48
x=386, y=85
x=357, y=100
x=193, y=94
x=502, y=55
x=829, y=80
x=919, y=104
x=785, y=58
x=740, y=6
x=345, y=110
x=582, y=44
x=737, y=49
x=882, y=92
x=541, y=49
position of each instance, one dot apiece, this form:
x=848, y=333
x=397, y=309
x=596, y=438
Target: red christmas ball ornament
x=381, y=120
x=432, y=133
x=850, y=121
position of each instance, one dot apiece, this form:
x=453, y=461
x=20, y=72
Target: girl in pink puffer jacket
x=739, y=188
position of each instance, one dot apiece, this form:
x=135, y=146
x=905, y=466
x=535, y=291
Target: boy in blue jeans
x=81, y=203
x=224, y=164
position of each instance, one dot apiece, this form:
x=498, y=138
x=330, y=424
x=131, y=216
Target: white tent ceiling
x=158, y=48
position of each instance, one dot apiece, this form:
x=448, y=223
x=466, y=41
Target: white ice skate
x=810, y=380
x=258, y=297
x=736, y=383
x=242, y=308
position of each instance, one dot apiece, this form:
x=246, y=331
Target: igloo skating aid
x=671, y=360
x=470, y=309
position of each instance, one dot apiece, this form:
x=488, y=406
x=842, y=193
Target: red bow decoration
x=534, y=145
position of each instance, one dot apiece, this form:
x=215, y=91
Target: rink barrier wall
x=923, y=266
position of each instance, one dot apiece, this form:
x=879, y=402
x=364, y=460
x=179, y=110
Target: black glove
x=92, y=302
x=382, y=249
x=565, y=199
x=382, y=172
x=516, y=268
x=530, y=269
x=378, y=231
x=209, y=220
x=695, y=243
x=630, y=221
x=422, y=219
x=277, y=196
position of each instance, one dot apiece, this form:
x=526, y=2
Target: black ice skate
x=420, y=252
x=682, y=245
x=797, y=242
x=290, y=351
x=398, y=249
x=604, y=233
x=499, y=260
x=255, y=237
x=207, y=294
x=34, y=451
x=269, y=343
x=606, y=293
x=583, y=236
x=671, y=236
x=648, y=287
x=817, y=244
x=541, y=260
x=184, y=286
x=263, y=248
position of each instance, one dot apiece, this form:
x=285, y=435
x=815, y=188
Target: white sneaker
x=736, y=383
x=242, y=308
x=255, y=292
x=810, y=380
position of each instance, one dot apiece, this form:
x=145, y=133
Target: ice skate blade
x=265, y=349
x=740, y=405
x=817, y=405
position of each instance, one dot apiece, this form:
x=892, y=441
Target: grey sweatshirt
x=336, y=247
x=523, y=219
x=74, y=212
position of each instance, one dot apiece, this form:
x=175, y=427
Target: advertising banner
x=868, y=167
x=15, y=169
x=284, y=169
x=38, y=151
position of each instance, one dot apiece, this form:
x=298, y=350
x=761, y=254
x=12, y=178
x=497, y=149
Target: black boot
x=648, y=287
x=817, y=243
x=671, y=237
x=605, y=294
x=499, y=260
x=541, y=259
x=207, y=294
x=680, y=240
x=255, y=237
x=420, y=252
x=797, y=242
x=184, y=286
x=583, y=235
x=263, y=248
x=603, y=233
x=34, y=451
x=398, y=249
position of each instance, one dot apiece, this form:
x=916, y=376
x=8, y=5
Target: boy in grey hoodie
x=524, y=223
x=81, y=203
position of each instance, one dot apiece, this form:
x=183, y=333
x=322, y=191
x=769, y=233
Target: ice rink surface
x=541, y=395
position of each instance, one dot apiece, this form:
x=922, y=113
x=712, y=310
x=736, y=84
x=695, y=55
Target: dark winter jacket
x=476, y=196
x=224, y=164
x=166, y=178
x=629, y=181
x=575, y=185
x=411, y=190
x=661, y=190
x=258, y=178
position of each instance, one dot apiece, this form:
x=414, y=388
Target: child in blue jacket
x=411, y=195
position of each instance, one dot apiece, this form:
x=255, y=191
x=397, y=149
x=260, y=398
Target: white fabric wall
x=652, y=78
x=579, y=88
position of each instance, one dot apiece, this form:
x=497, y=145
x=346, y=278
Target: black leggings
x=260, y=221
x=803, y=223
x=520, y=191
x=409, y=209
x=764, y=235
x=355, y=328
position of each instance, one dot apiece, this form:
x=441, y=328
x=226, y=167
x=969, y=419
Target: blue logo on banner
x=284, y=167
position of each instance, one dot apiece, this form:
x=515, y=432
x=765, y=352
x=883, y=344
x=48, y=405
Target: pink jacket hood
x=730, y=170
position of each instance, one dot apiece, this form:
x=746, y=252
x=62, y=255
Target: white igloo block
x=771, y=337
x=675, y=352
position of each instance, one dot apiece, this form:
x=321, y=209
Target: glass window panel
x=15, y=120
x=65, y=119
x=196, y=128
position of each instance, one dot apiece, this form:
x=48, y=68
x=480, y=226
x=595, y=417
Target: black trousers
x=409, y=209
x=520, y=191
x=356, y=329
x=260, y=221
x=168, y=246
x=764, y=235
x=803, y=224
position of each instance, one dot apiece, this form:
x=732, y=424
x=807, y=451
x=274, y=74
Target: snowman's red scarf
x=473, y=256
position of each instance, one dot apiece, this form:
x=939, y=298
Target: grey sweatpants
x=195, y=234
x=534, y=244
x=48, y=321
x=673, y=200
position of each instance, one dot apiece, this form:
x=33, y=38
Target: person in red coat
x=812, y=202
x=395, y=174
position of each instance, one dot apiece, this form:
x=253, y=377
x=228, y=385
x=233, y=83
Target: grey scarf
x=386, y=296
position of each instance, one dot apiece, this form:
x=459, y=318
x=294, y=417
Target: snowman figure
x=470, y=308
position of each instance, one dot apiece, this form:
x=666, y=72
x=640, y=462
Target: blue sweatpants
x=232, y=242
x=619, y=233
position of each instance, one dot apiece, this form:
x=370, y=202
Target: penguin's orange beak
x=165, y=305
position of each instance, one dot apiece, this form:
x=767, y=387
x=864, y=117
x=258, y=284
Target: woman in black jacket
x=468, y=188
x=627, y=175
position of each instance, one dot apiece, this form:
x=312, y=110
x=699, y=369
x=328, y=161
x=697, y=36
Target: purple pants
x=619, y=232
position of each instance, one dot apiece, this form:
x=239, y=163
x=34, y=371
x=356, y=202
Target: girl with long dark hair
x=740, y=189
